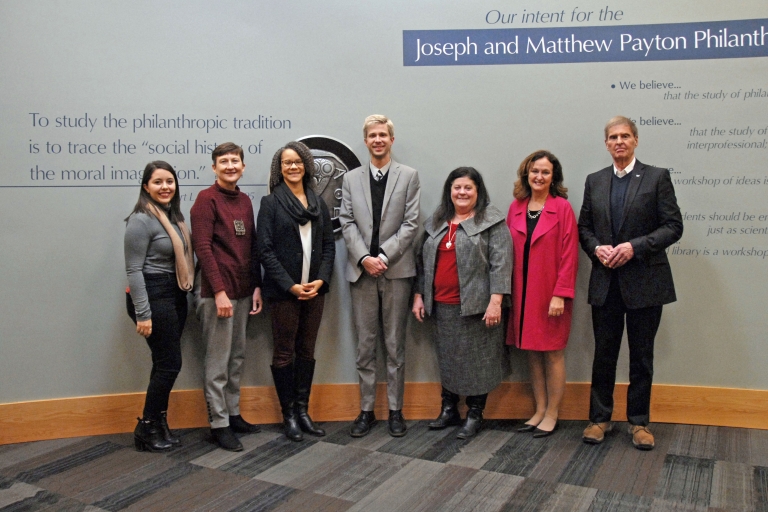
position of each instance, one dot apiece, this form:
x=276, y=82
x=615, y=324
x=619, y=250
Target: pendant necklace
x=449, y=243
x=239, y=224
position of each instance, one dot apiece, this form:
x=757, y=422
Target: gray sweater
x=148, y=250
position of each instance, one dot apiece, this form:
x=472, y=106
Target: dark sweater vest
x=619, y=188
x=377, y=202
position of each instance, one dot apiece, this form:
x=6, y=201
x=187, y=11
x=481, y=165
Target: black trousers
x=608, y=325
x=169, y=314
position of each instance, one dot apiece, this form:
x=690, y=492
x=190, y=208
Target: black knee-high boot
x=474, y=421
x=302, y=378
x=449, y=415
x=284, y=386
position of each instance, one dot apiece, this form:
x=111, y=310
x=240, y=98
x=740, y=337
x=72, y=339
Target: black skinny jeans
x=169, y=313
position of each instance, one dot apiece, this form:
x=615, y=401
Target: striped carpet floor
x=693, y=468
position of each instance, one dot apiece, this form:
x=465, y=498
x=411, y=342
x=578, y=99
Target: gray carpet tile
x=484, y=491
x=693, y=468
x=519, y=455
x=569, y=498
x=608, y=501
x=139, y=490
x=733, y=445
x=732, y=486
x=760, y=483
x=686, y=479
x=67, y=463
x=476, y=453
x=530, y=496
x=269, y=455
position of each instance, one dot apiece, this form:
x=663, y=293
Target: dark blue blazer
x=279, y=247
x=651, y=222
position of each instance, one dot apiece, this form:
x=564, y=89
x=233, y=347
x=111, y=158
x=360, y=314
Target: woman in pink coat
x=545, y=244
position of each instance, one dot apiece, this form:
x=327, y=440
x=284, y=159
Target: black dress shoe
x=527, y=428
x=226, y=439
x=544, y=433
x=363, y=423
x=239, y=425
x=397, y=426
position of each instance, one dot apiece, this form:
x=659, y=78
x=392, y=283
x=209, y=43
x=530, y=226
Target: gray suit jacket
x=399, y=219
x=651, y=222
x=483, y=260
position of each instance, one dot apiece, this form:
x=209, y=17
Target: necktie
x=379, y=175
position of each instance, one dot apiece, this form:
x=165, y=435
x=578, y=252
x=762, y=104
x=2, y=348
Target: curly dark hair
x=523, y=188
x=174, y=214
x=445, y=211
x=276, y=170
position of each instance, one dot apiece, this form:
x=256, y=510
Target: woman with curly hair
x=296, y=248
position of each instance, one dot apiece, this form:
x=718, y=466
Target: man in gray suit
x=379, y=219
x=628, y=218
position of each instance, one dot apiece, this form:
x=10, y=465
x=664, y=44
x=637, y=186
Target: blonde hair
x=378, y=119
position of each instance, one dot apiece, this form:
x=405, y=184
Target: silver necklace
x=534, y=216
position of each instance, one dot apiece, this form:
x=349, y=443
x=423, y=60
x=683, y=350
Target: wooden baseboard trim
x=110, y=414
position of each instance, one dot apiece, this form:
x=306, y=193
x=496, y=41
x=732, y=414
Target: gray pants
x=380, y=306
x=224, y=340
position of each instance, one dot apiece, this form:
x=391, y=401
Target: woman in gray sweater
x=159, y=265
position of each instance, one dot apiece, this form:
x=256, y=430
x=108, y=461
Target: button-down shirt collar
x=628, y=168
x=383, y=170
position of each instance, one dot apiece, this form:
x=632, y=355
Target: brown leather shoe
x=595, y=432
x=641, y=437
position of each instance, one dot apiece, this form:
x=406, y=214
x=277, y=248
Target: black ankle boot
x=449, y=415
x=149, y=436
x=304, y=371
x=167, y=434
x=283, y=378
x=474, y=421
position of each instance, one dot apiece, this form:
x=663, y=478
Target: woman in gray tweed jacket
x=464, y=281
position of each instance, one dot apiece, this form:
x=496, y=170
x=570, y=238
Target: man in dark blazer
x=379, y=220
x=628, y=218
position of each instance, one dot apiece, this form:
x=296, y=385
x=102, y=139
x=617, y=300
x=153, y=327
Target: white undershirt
x=305, y=232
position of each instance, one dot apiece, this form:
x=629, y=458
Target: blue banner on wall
x=672, y=41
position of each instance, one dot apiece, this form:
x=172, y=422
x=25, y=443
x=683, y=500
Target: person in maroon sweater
x=224, y=239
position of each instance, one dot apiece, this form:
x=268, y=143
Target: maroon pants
x=294, y=328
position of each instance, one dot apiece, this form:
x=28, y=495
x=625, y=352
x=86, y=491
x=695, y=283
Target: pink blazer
x=552, y=265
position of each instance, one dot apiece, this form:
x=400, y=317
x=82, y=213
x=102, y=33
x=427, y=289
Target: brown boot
x=641, y=437
x=595, y=432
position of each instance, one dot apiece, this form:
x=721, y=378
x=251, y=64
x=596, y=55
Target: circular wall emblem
x=333, y=159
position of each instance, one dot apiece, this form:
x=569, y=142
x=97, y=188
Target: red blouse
x=446, y=272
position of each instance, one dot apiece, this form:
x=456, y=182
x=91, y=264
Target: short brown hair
x=523, y=188
x=620, y=121
x=227, y=148
x=378, y=119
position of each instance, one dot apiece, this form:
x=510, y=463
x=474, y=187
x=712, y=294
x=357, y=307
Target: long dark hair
x=276, y=170
x=523, y=188
x=445, y=211
x=174, y=215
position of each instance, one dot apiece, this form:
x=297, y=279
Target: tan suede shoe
x=641, y=437
x=595, y=432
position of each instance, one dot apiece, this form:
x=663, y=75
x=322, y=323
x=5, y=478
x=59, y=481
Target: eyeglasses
x=288, y=163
